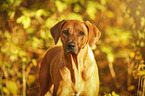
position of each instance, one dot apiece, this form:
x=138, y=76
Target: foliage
x=25, y=36
x=112, y=94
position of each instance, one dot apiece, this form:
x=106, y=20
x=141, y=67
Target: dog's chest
x=72, y=80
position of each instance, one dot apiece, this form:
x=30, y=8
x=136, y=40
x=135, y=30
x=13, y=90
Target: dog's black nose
x=71, y=45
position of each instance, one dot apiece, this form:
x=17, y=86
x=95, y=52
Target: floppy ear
x=94, y=33
x=55, y=30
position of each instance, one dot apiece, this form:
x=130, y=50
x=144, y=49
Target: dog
x=71, y=69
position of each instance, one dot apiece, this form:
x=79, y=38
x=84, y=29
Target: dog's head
x=75, y=34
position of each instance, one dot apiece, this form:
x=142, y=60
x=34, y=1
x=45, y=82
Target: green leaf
x=25, y=20
x=20, y=19
x=141, y=73
x=7, y=64
x=7, y=35
x=131, y=88
x=114, y=94
x=91, y=9
x=40, y=12
x=37, y=43
x=74, y=16
x=31, y=79
x=77, y=8
x=11, y=14
x=17, y=2
x=5, y=90
x=34, y=62
x=10, y=1
x=22, y=53
x=110, y=14
x=103, y=2
x=60, y=5
x=43, y=34
x=49, y=22
x=142, y=21
x=19, y=74
x=12, y=86
x=31, y=30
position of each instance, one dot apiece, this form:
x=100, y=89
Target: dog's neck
x=74, y=63
x=74, y=58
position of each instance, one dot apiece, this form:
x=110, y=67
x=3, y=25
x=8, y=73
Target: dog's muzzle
x=71, y=47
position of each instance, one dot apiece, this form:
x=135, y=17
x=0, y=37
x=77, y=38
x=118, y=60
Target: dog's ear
x=94, y=33
x=55, y=30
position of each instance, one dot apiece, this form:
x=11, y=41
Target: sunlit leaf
x=141, y=73
x=12, y=86
x=7, y=64
x=43, y=34
x=40, y=12
x=142, y=43
x=99, y=6
x=62, y=17
x=30, y=30
x=11, y=72
x=34, y=62
x=20, y=19
x=22, y=53
x=118, y=36
x=131, y=54
x=106, y=49
x=49, y=22
x=14, y=2
x=137, y=13
x=74, y=16
x=13, y=57
x=24, y=59
x=5, y=90
x=77, y=8
x=11, y=14
x=141, y=34
x=137, y=42
x=60, y=5
x=30, y=79
x=135, y=73
x=26, y=22
x=7, y=35
x=138, y=57
x=110, y=14
x=114, y=94
x=19, y=74
x=10, y=1
x=37, y=43
x=142, y=21
x=103, y=2
x=91, y=9
x=131, y=87
x=111, y=94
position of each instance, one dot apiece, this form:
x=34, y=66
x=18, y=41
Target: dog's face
x=75, y=35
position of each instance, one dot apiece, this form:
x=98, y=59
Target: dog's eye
x=81, y=33
x=65, y=32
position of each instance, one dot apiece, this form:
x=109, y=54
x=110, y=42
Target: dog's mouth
x=72, y=51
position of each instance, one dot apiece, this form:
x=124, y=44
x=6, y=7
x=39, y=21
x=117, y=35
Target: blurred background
x=25, y=36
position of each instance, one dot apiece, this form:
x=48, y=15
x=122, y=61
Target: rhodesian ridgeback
x=71, y=70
